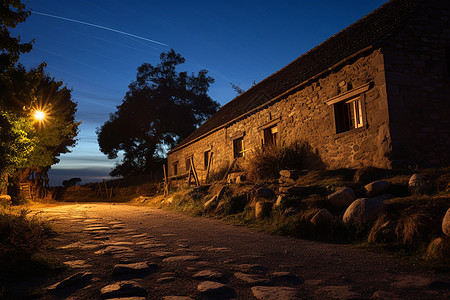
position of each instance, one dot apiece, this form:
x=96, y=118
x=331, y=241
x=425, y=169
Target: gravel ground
x=95, y=237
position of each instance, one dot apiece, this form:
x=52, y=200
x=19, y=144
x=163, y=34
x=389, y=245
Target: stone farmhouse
x=375, y=94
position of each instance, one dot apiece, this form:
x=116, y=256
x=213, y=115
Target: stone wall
x=418, y=76
x=305, y=115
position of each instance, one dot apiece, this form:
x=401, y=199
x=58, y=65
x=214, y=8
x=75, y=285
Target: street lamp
x=39, y=115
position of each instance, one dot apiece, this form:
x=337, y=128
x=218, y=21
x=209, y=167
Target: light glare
x=39, y=115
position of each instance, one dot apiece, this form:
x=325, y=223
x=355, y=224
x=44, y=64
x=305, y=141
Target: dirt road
x=199, y=258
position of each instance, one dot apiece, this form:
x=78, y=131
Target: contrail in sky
x=101, y=27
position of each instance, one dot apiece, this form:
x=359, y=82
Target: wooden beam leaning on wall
x=193, y=173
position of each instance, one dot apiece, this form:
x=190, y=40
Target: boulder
x=265, y=193
x=383, y=232
x=417, y=184
x=134, y=268
x=76, y=281
x=363, y=210
x=263, y=209
x=284, y=180
x=446, y=223
x=376, y=188
x=439, y=249
x=342, y=198
x=252, y=279
x=5, y=199
x=322, y=218
x=232, y=177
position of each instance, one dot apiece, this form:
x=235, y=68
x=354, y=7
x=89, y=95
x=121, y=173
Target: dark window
x=175, y=169
x=206, y=158
x=270, y=136
x=188, y=164
x=238, y=147
x=348, y=115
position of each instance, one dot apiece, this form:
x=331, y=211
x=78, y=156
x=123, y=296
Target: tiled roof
x=368, y=31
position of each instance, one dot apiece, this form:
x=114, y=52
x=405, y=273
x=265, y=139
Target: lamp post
x=39, y=115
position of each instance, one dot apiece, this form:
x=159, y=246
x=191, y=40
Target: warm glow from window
x=39, y=115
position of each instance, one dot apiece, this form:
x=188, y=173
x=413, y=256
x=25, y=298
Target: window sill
x=349, y=132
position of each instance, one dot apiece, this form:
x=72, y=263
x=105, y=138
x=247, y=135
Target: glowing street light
x=39, y=115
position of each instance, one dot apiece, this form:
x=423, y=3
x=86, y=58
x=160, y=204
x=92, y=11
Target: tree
x=237, y=89
x=35, y=90
x=12, y=12
x=161, y=107
x=71, y=182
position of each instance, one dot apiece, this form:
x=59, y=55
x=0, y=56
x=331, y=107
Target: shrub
x=266, y=163
x=21, y=237
x=413, y=228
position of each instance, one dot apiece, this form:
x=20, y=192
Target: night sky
x=96, y=46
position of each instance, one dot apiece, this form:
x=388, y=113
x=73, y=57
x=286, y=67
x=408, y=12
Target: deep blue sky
x=236, y=41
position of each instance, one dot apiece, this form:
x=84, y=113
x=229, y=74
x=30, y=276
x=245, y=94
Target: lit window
x=270, y=136
x=348, y=115
x=238, y=147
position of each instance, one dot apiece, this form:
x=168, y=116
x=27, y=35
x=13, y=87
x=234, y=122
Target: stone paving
x=109, y=259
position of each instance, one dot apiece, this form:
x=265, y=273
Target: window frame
x=242, y=150
x=175, y=168
x=342, y=123
x=263, y=129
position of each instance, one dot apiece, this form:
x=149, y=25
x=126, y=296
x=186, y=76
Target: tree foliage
x=71, y=182
x=161, y=107
x=12, y=12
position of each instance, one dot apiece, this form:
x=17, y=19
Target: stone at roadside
x=265, y=192
x=263, y=209
x=76, y=281
x=5, y=199
x=363, y=210
x=322, y=219
x=215, y=289
x=209, y=275
x=342, y=198
x=128, y=298
x=285, y=277
x=291, y=174
x=376, y=188
x=252, y=279
x=139, y=268
x=274, y=293
x=439, y=249
x=232, y=177
x=126, y=288
x=176, y=298
x=446, y=223
x=96, y=228
x=181, y=258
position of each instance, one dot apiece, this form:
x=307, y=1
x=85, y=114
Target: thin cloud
x=101, y=27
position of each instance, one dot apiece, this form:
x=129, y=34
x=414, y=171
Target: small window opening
x=348, y=115
x=270, y=136
x=175, y=169
x=238, y=147
x=206, y=156
x=188, y=164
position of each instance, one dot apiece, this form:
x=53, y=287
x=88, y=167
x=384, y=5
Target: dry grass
x=266, y=163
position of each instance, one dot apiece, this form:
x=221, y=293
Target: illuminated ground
x=316, y=270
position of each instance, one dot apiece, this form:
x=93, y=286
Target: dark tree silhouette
x=161, y=107
x=71, y=182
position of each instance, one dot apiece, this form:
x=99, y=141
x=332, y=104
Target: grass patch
x=21, y=239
